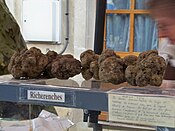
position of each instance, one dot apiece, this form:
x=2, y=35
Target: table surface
x=91, y=95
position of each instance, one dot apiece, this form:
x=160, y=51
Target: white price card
x=45, y=96
x=144, y=110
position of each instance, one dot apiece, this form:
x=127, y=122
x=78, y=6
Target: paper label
x=152, y=111
x=45, y=96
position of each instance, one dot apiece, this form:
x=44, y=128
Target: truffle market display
x=32, y=63
x=146, y=69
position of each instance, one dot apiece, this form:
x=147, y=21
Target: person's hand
x=166, y=57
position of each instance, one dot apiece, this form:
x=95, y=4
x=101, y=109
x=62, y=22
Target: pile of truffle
x=33, y=63
x=147, y=68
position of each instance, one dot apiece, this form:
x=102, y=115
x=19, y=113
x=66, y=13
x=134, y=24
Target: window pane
x=141, y=4
x=146, y=36
x=118, y=4
x=117, y=32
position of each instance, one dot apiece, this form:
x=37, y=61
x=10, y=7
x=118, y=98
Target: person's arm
x=167, y=51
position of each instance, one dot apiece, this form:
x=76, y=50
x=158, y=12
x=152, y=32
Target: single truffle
x=130, y=74
x=146, y=54
x=90, y=65
x=87, y=57
x=94, y=69
x=52, y=55
x=111, y=70
x=149, y=69
x=86, y=73
x=105, y=54
x=130, y=60
x=65, y=66
x=143, y=77
x=156, y=80
x=156, y=63
x=28, y=63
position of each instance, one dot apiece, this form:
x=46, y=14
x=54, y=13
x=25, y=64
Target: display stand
x=92, y=96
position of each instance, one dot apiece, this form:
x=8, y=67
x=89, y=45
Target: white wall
x=90, y=23
x=81, y=26
x=84, y=24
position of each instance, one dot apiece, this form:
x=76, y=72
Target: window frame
x=131, y=12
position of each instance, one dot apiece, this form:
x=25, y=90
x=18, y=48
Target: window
x=129, y=28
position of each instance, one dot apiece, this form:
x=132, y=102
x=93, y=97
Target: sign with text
x=45, y=96
x=141, y=109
